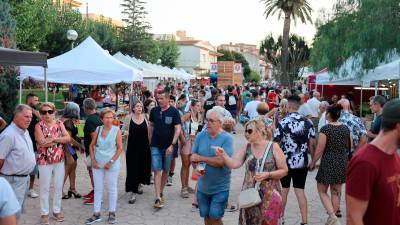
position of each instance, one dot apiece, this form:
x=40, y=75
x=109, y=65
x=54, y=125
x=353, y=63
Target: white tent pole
x=45, y=85
x=20, y=89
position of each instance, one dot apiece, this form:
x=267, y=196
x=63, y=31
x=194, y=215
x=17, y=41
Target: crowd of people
x=288, y=134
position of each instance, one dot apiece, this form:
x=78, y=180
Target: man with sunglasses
x=296, y=136
x=17, y=159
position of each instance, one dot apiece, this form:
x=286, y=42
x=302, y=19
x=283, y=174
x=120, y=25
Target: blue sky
x=218, y=21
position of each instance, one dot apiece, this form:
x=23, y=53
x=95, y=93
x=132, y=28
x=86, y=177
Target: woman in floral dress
x=259, y=138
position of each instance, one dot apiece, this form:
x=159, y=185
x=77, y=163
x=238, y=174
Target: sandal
x=74, y=193
x=66, y=196
x=338, y=214
x=231, y=208
x=195, y=207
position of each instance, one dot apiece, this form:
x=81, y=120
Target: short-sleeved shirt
x=294, y=132
x=355, y=126
x=374, y=176
x=376, y=125
x=9, y=204
x=91, y=123
x=209, y=104
x=216, y=179
x=54, y=153
x=164, y=126
x=251, y=108
x=17, y=151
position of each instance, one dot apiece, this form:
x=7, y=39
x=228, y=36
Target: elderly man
x=355, y=125
x=17, y=159
x=229, y=120
x=213, y=186
x=322, y=115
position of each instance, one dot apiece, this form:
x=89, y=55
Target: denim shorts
x=212, y=206
x=160, y=160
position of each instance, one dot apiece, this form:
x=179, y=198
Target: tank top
x=106, y=148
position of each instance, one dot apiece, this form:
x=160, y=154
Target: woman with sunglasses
x=259, y=138
x=51, y=136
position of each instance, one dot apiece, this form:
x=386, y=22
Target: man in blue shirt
x=213, y=186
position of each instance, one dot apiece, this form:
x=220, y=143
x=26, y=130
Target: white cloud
x=218, y=21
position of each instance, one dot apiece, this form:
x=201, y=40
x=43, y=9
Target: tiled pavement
x=177, y=211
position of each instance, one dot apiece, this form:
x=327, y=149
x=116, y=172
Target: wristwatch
x=112, y=161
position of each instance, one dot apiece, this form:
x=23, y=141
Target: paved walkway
x=177, y=211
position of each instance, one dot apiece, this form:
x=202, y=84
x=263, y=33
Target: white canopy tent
x=86, y=64
x=148, y=72
x=389, y=71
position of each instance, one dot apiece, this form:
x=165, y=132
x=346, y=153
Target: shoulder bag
x=251, y=196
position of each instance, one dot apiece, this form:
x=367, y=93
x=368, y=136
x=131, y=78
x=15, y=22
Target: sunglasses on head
x=249, y=131
x=43, y=112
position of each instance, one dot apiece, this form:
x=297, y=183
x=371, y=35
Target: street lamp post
x=72, y=35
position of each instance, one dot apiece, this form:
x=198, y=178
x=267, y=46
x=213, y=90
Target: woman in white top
x=192, y=122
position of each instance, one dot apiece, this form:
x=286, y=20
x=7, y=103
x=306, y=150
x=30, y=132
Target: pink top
x=55, y=153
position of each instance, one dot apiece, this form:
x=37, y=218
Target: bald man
x=355, y=125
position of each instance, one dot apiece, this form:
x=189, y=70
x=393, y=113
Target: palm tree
x=296, y=9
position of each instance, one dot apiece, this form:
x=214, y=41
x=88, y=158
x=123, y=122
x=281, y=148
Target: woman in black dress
x=333, y=145
x=138, y=157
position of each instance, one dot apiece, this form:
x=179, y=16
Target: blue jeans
x=212, y=206
x=160, y=160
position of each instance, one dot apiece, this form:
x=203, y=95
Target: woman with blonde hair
x=51, y=136
x=266, y=175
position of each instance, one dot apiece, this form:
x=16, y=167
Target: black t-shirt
x=231, y=102
x=31, y=130
x=91, y=123
x=209, y=104
x=376, y=125
x=164, y=126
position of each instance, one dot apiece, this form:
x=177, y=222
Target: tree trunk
x=285, y=51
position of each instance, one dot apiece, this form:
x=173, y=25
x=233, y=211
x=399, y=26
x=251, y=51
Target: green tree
x=237, y=57
x=56, y=42
x=136, y=39
x=362, y=29
x=291, y=9
x=34, y=21
x=104, y=34
x=254, y=76
x=299, y=54
x=169, y=53
x=8, y=81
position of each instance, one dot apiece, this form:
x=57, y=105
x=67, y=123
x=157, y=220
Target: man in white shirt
x=17, y=159
x=313, y=105
x=251, y=107
x=304, y=110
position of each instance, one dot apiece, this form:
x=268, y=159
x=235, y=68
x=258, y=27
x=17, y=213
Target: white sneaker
x=32, y=193
x=169, y=181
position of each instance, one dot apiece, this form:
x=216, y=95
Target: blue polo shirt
x=216, y=179
x=8, y=202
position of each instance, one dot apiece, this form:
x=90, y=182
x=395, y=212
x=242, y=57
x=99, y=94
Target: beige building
x=70, y=3
x=252, y=55
x=196, y=56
